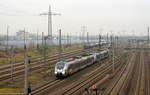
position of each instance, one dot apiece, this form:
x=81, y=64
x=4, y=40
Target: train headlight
x=63, y=72
x=55, y=72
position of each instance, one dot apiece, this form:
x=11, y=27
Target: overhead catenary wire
x=10, y=11
x=16, y=14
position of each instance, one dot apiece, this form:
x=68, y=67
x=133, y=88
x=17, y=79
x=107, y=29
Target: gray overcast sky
x=120, y=16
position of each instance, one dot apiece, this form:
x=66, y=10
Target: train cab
x=60, y=69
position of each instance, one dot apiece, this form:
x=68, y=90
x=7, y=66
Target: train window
x=78, y=64
x=60, y=65
x=88, y=60
x=68, y=60
x=83, y=62
x=77, y=57
x=69, y=66
x=73, y=66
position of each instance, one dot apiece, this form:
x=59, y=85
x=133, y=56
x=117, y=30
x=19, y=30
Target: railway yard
x=128, y=75
x=74, y=47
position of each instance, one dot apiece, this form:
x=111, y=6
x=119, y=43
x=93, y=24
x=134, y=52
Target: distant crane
x=49, y=23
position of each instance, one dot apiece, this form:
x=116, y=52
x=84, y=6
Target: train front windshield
x=60, y=65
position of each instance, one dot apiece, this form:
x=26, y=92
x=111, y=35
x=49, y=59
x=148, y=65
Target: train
x=92, y=45
x=72, y=65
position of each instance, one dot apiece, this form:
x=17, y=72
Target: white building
x=20, y=35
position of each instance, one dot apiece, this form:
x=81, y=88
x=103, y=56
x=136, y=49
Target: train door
x=95, y=58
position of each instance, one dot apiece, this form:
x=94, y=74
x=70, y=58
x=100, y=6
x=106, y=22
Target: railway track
x=147, y=70
x=140, y=85
x=65, y=90
x=47, y=86
x=131, y=86
x=35, y=66
x=101, y=84
x=80, y=86
x=133, y=79
x=117, y=85
x=19, y=63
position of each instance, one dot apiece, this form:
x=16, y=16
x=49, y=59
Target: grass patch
x=11, y=90
x=148, y=53
x=34, y=79
x=4, y=62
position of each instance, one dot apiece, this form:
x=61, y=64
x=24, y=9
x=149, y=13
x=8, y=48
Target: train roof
x=75, y=59
x=70, y=59
x=78, y=58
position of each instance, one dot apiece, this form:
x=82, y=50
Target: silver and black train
x=69, y=66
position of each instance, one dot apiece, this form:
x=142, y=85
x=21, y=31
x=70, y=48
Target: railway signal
x=29, y=89
x=96, y=89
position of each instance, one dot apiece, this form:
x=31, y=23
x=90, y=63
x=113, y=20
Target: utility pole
x=80, y=36
x=26, y=66
x=99, y=41
x=117, y=44
x=83, y=30
x=37, y=39
x=12, y=62
x=148, y=37
x=87, y=38
x=45, y=38
x=107, y=38
x=113, y=51
x=111, y=38
x=67, y=39
x=99, y=47
x=42, y=39
x=60, y=45
x=70, y=40
x=50, y=23
x=7, y=42
x=43, y=47
x=88, y=44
